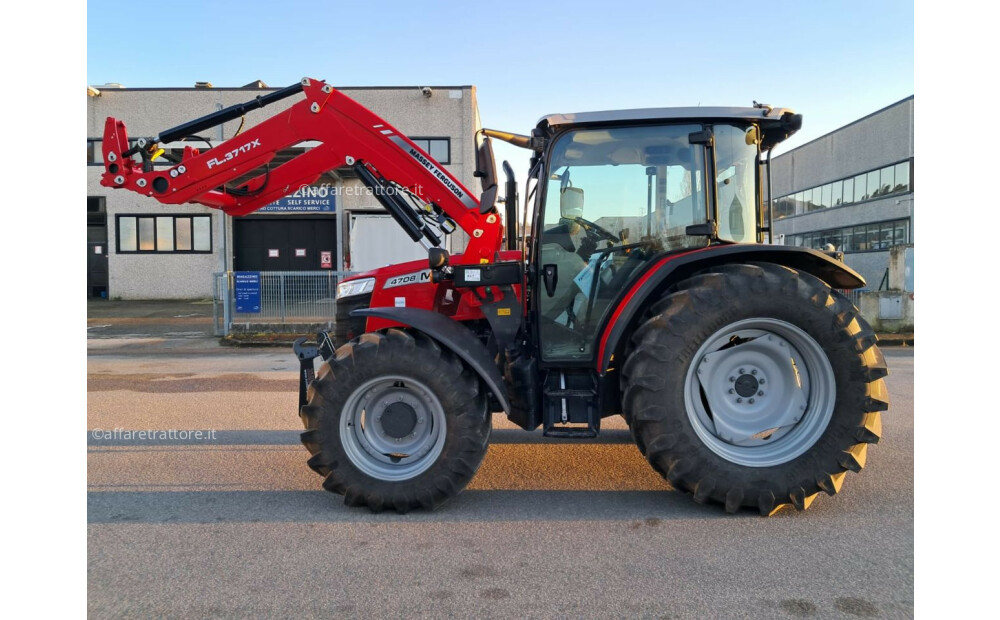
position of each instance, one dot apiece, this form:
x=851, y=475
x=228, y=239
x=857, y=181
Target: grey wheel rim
x=760, y=392
x=393, y=428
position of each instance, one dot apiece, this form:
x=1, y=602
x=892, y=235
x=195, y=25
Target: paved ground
x=236, y=525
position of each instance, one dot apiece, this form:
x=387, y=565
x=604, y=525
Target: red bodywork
x=409, y=285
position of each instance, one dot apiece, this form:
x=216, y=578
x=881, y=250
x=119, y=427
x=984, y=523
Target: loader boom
x=388, y=162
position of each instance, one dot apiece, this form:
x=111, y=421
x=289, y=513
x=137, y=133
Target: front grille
x=345, y=326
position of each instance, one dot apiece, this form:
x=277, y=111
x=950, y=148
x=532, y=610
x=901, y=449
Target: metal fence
x=286, y=298
x=853, y=294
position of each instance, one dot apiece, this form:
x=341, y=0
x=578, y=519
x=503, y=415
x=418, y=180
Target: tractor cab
x=615, y=190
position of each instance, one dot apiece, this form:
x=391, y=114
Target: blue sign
x=247, y=291
x=305, y=200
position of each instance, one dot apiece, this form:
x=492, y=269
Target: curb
x=892, y=340
x=262, y=340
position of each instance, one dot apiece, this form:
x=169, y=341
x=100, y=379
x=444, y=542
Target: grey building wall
x=451, y=112
x=881, y=138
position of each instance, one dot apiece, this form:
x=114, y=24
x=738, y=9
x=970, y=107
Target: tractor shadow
x=524, y=477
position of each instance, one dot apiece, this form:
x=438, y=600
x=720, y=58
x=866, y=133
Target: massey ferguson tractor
x=636, y=283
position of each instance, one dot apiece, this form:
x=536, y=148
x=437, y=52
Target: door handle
x=550, y=274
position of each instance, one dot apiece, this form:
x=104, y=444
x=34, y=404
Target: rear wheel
x=394, y=421
x=755, y=386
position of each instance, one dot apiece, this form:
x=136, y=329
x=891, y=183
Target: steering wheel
x=593, y=230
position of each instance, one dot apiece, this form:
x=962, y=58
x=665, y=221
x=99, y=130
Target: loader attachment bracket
x=307, y=371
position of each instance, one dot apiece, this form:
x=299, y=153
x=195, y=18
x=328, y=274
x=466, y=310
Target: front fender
x=452, y=335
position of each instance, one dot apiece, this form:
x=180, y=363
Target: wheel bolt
x=760, y=393
x=753, y=372
x=732, y=379
x=751, y=401
x=762, y=381
x=731, y=390
x=739, y=400
x=742, y=371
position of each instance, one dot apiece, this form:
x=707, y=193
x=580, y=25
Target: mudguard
x=677, y=266
x=453, y=336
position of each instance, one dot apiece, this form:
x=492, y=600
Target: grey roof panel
x=671, y=114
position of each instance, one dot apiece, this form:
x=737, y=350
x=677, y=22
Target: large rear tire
x=754, y=386
x=395, y=421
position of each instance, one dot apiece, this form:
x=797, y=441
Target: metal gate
x=290, y=301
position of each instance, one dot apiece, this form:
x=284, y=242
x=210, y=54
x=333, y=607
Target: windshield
x=645, y=182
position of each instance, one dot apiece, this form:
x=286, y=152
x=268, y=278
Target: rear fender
x=670, y=269
x=452, y=335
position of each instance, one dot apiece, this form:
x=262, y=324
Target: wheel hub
x=398, y=420
x=760, y=392
x=746, y=385
x=393, y=428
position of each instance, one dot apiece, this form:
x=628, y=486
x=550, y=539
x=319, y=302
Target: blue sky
x=833, y=61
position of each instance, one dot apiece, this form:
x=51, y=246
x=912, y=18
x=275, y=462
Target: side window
x=736, y=184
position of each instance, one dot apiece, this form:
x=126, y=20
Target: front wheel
x=395, y=421
x=755, y=386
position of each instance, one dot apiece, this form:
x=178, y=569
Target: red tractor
x=637, y=283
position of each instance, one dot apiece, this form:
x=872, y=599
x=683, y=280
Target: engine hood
x=381, y=274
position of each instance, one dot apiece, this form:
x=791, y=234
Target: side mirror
x=550, y=274
x=437, y=258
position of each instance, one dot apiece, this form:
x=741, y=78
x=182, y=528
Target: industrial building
x=853, y=189
x=140, y=249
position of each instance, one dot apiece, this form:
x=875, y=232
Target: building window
x=438, y=148
x=95, y=157
x=902, y=177
x=158, y=234
x=870, y=185
x=96, y=211
x=861, y=238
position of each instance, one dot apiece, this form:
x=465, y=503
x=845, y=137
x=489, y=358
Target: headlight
x=355, y=287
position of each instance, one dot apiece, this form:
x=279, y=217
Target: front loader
x=636, y=282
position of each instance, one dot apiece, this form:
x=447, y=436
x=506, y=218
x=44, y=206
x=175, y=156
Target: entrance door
x=283, y=244
x=97, y=248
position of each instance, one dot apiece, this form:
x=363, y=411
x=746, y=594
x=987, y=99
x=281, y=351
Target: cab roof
x=776, y=124
x=763, y=114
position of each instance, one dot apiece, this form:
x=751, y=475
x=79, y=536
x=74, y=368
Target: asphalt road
x=235, y=525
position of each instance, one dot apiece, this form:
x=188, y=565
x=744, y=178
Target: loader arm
x=348, y=135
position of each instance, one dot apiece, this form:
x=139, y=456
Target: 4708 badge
x=409, y=278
